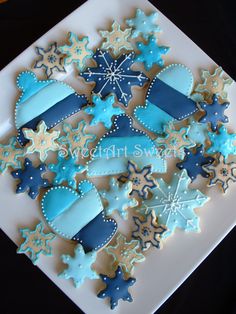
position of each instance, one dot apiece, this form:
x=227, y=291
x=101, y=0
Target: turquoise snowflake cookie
x=222, y=142
x=79, y=266
x=36, y=242
x=77, y=140
x=118, y=198
x=174, y=204
x=103, y=111
x=9, y=155
x=116, y=40
x=77, y=51
x=50, y=60
x=66, y=170
x=151, y=53
x=143, y=24
x=198, y=132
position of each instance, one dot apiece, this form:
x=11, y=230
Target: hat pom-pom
x=25, y=80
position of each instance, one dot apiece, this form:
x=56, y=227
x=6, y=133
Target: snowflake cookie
x=116, y=40
x=151, y=53
x=114, y=76
x=141, y=180
x=103, y=111
x=30, y=178
x=214, y=84
x=174, y=141
x=214, y=112
x=222, y=142
x=125, y=253
x=36, y=242
x=41, y=141
x=116, y=288
x=174, y=204
x=79, y=266
x=148, y=231
x=194, y=162
x=118, y=198
x=143, y=24
x=9, y=155
x=222, y=173
x=77, y=51
x=66, y=170
x=50, y=60
x=198, y=132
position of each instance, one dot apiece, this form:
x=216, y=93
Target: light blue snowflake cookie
x=116, y=288
x=103, y=110
x=174, y=204
x=148, y=231
x=50, y=60
x=79, y=266
x=9, y=155
x=143, y=24
x=66, y=170
x=198, y=132
x=151, y=53
x=77, y=51
x=222, y=142
x=118, y=198
x=36, y=242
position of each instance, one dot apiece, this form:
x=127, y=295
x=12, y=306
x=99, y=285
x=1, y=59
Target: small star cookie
x=79, y=266
x=50, y=60
x=36, y=242
x=41, y=141
x=9, y=155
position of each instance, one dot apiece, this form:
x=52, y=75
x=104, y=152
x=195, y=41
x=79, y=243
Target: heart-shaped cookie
x=79, y=215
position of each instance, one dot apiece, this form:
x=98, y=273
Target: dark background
x=211, y=288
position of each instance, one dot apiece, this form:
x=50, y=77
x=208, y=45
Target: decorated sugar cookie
x=77, y=51
x=80, y=266
x=151, y=53
x=114, y=76
x=175, y=141
x=141, y=180
x=103, y=111
x=41, y=141
x=50, y=101
x=36, y=242
x=51, y=60
x=78, y=216
x=116, y=40
x=221, y=173
x=143, y=24
x=118, y=198
x=173, y=85
x=148, y=231
x=198, y=132
x=116, y=288
x=125, y=254
x=9, y=155
x=121, y=144
x=194, y=162
x=30, y=179
x=174, y=204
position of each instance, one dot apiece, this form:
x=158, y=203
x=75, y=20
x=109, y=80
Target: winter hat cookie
x=50, y=101
x=168, y=98
x=78, y=216
x=120, y=145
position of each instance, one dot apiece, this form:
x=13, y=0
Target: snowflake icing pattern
x=79, y=266
x=116, y=288
x=114, y=76
x=174, y=204
x=118, y=198
x=198, y=132
x=36, y=242
x=9, y=155
x=50, y=60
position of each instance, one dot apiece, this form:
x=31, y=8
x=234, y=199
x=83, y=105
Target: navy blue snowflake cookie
x=194, y=162
x=214, y=112
x=30, y=178
x=116, y=288
x=114, y=76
